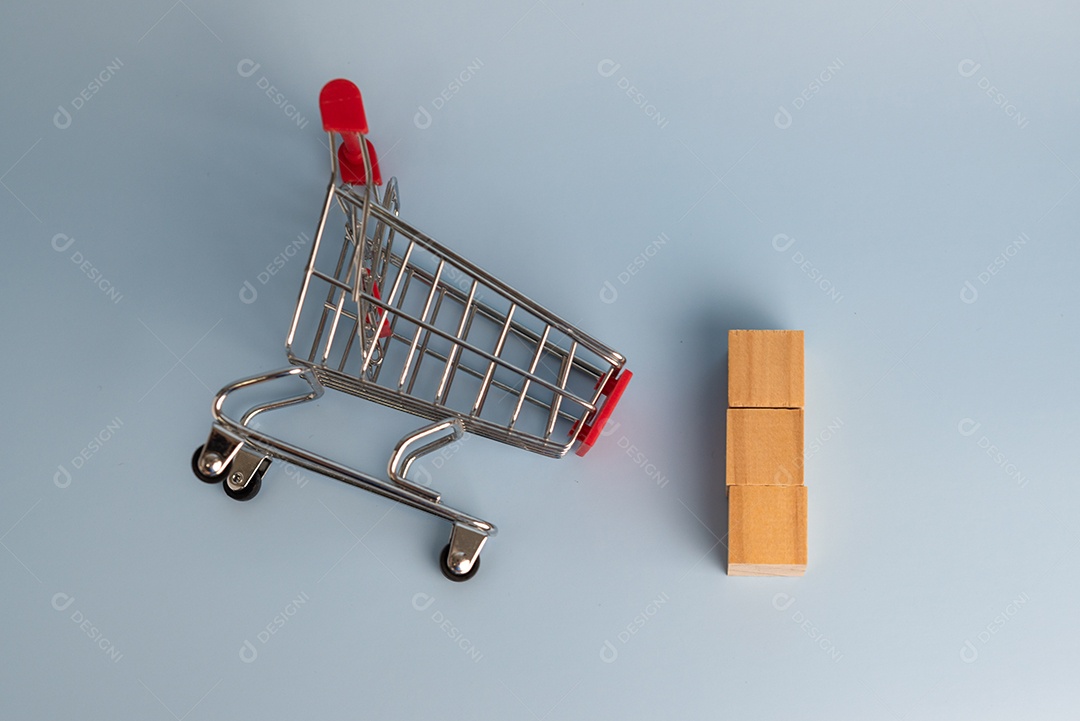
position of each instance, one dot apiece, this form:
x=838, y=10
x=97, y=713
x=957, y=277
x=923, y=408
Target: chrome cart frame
x=371, y=314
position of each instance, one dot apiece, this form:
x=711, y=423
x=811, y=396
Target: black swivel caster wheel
x=444, y=566
x=252, y=489
x=247, y=492
x=198, y=471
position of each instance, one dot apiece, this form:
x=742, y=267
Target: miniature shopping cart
x=390, y=315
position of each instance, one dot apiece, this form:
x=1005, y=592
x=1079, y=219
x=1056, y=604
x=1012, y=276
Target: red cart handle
x=589, y=433
x=342, y=111
x=342, y=108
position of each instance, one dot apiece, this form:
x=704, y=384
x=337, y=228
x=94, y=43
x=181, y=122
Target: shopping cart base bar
x=238, y=456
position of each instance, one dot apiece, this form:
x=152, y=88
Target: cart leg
x=404, y=453
x=225, y=457
x=212, y=459
x=244, y=477
x=460, y=559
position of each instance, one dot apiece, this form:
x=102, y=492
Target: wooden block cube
x=764, y=447
x=765, y=369
x=766, y=530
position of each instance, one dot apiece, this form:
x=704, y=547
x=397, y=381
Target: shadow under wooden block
x=765, y=369
x=764, y=447
x=766, y=530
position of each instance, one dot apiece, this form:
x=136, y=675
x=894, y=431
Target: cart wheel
x=246, y=493
x=198, y=471
x=444, y=566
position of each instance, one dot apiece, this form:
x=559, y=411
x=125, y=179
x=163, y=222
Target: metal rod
x=324, y=466
x=310, y=266
x=455, y=351
x=532, y=369
x=482, y=395
x=564, y=373
x=424, y=345
x=393, y=325
x=499, y=361
x=430, y=244
x=382, y=318
x=423, y=317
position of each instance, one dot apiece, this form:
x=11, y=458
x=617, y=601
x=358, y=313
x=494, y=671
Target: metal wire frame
x=368, y=262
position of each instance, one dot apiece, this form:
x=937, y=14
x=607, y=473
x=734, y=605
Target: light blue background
x=943, y=575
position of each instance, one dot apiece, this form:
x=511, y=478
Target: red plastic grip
x=342, y=108
x=342, y=111
x=385, y=328
x=352, y=163
x=589, y=433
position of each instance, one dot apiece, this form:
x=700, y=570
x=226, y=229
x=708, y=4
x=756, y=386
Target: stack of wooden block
x=766, y=494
